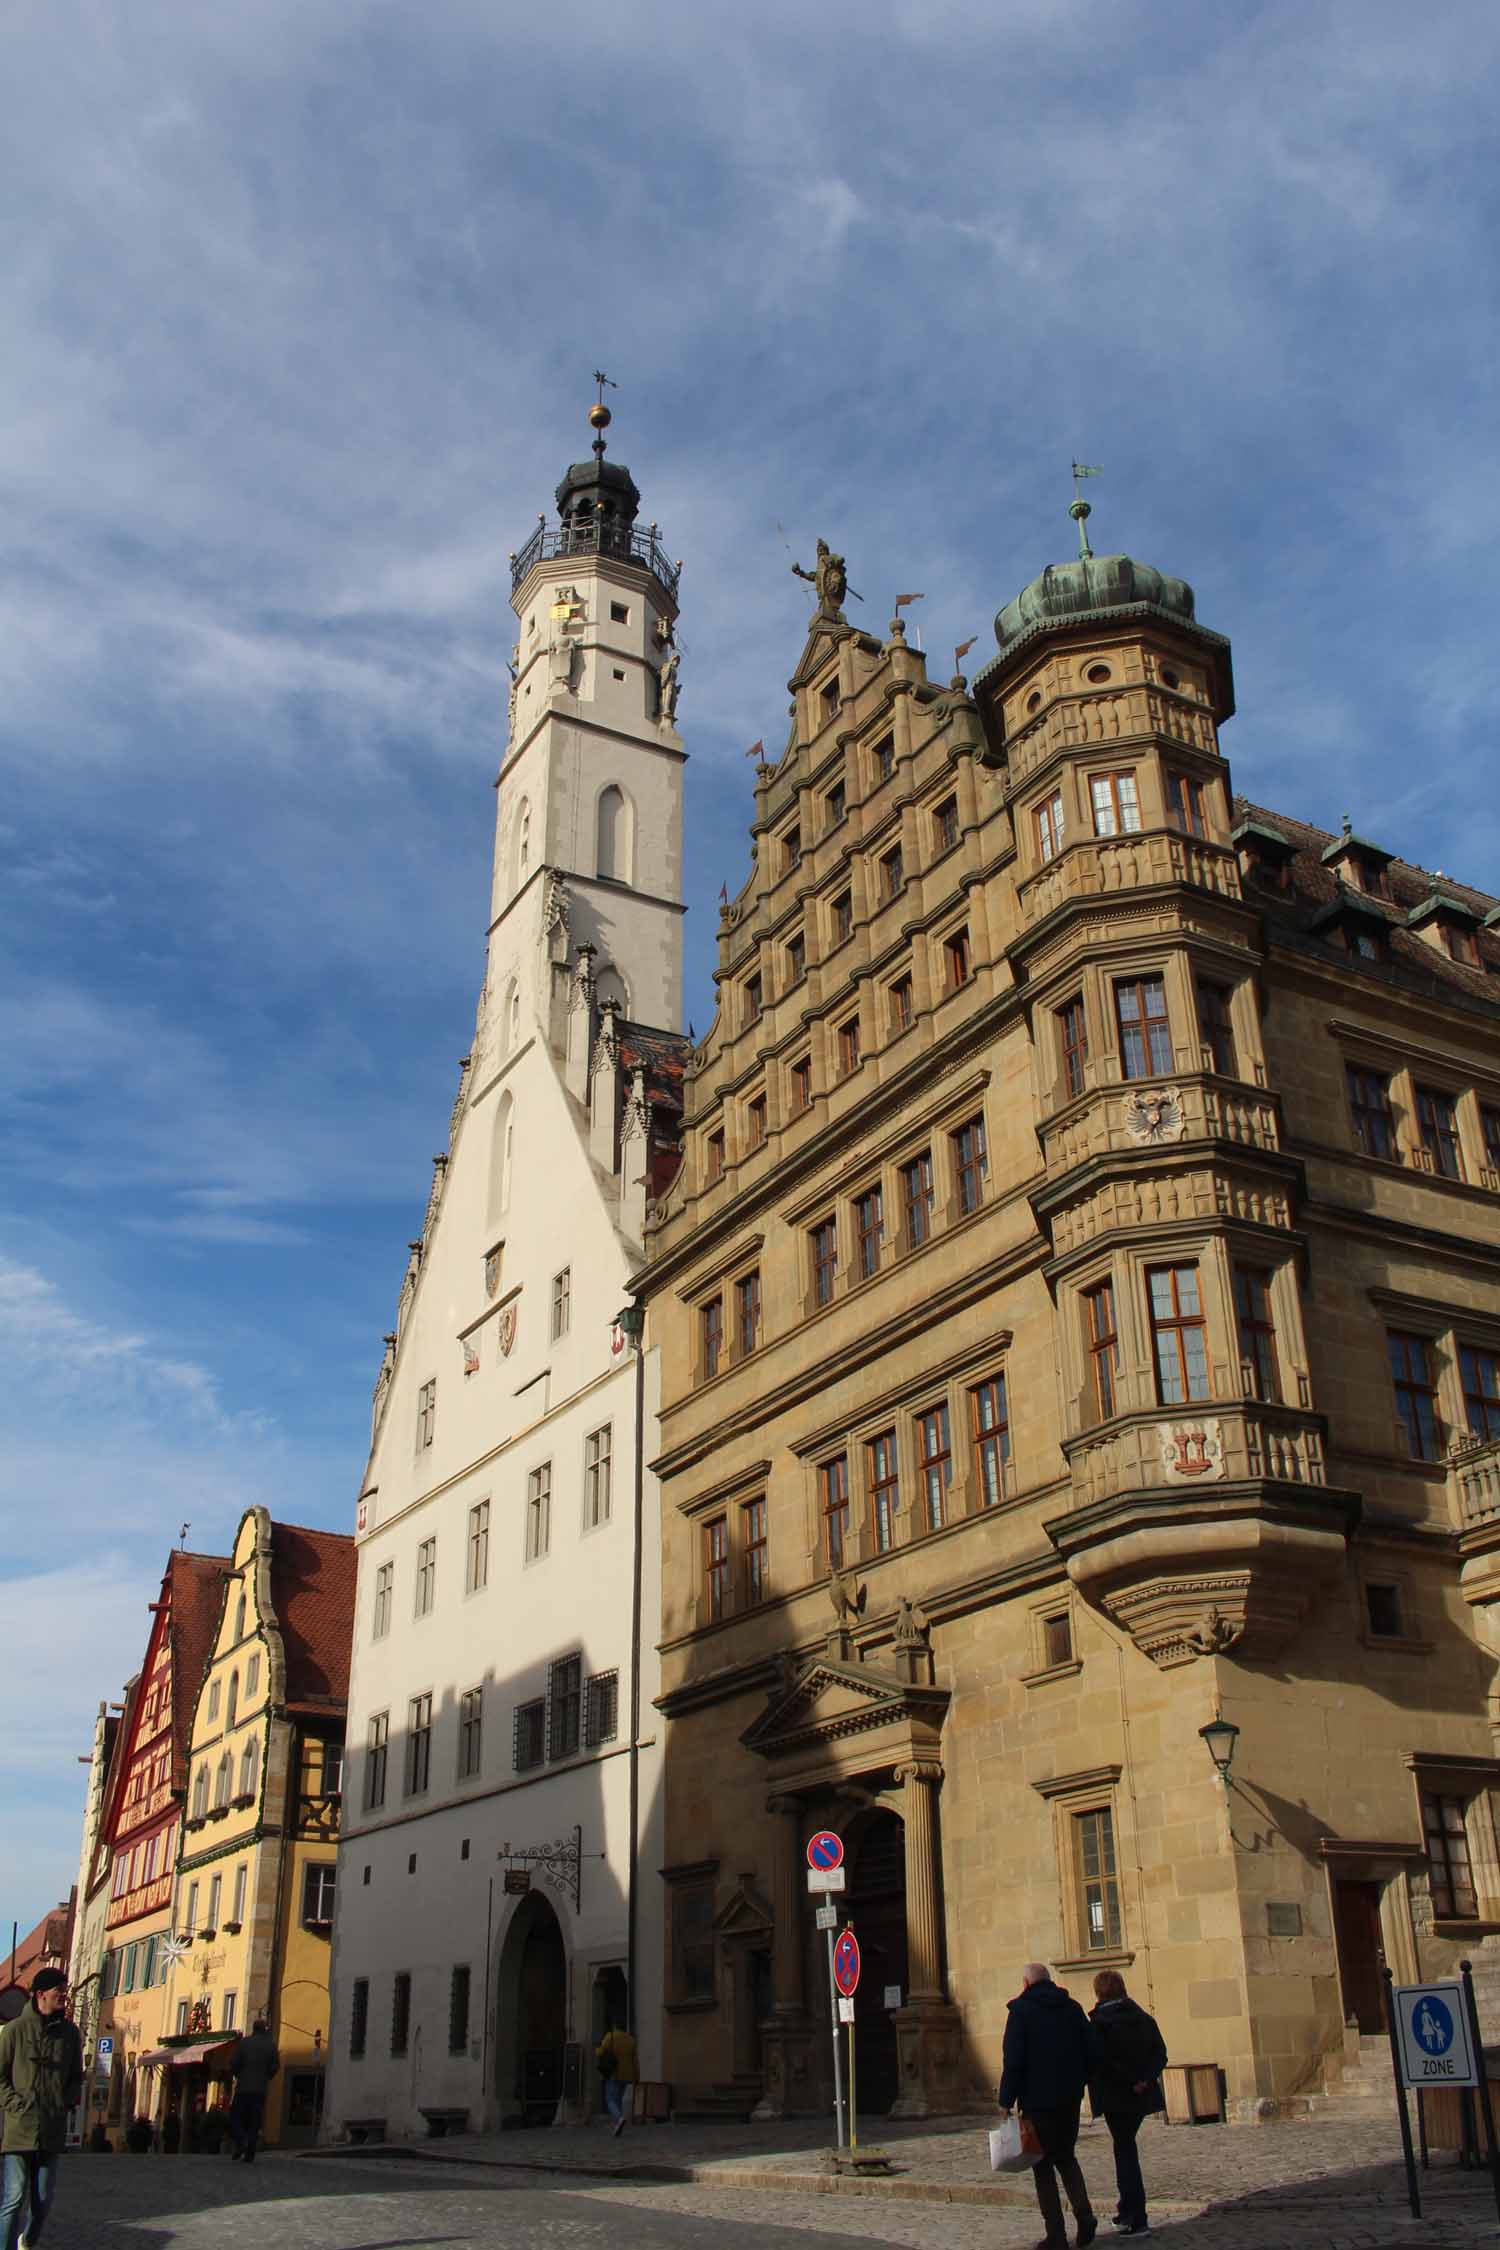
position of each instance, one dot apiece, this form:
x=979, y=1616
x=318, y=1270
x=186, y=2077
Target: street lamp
x=1221, y=1736
x=631, y=1323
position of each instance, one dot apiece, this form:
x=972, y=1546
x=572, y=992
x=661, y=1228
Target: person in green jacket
x=41, y=2079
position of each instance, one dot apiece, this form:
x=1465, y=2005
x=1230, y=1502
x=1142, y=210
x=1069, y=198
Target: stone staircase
x=731, y=2101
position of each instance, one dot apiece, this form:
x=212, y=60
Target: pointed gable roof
x=194, y=1586
x=312, y=1596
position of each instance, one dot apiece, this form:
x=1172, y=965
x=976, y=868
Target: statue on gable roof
x=830, y=580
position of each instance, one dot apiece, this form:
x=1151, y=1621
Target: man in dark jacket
x=254, y=2064
x=1047, y=2053
x=41, y=2079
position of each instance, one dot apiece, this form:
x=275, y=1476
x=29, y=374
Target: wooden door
x=1361, y=1951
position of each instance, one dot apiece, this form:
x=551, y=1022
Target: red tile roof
x=312, y=1594
x=195, y=1588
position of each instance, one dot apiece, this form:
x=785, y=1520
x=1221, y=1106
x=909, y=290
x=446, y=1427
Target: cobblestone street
x=1324, y=2186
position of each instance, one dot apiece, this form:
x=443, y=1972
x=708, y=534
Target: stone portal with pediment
x=841, y=1732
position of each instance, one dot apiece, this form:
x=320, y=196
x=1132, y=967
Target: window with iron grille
x=564, y=1706
x=801, y=1076
x=752, y=1000
x=597, y=1474
x=835, y=802
x=711, y=1335
x=470, y=1732
x=1049, y=827
x=1098, y=1883
x=1117, y=810
x=754, y=1547
x=1415, y=1380
x=833, y=1477
x=869, y=1232
x=1216, y=1026
x=713, y=1162
x=601, y=1708
x=901, y=1004
x=823, y=1241
x=562, y=1302
x=1145, y=1032
x=716, y=1565
x=945, y=824
x=1178, y=1334
x=317, y=1895
x=990, y=1420
x=1257, y=1330
x=795, y=958
x=1437, y=1122
x=970, y=1164
x=843, y=917
x=885, y=1489
x=747, y=1313
x=1073, y=1032
x=418, y=1744
x=883, y=757
x=916, y=1199
x=426, y=1414
x=1480, y=1372
x=755, y=1121
x=477, y=1555
x=458, y=2008
x=934, y=1464
x=892, y=873
x=529, y=1743
x=791, y=850
x=400, y=2011
x=1450, y=1873
x=1104, y=1345
x=848, y=1036
x=426, y=1586
x=375, y=1757
x=539, y=1511
x=1186, y=804
x=359, y=2016
x=1370, y=1109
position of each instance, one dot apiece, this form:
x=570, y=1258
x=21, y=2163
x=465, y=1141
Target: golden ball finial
x=600, y=416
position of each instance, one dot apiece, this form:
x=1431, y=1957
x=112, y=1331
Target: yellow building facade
x=253, y=1904
x=1079, y=1312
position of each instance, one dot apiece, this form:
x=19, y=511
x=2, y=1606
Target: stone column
x=791, y=2084
x=924, y=1937
x=788, y=1998
x=929, y=2032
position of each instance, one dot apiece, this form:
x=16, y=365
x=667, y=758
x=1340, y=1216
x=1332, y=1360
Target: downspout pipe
x=631, y=1323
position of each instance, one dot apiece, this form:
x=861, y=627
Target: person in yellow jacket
x=616, y=2058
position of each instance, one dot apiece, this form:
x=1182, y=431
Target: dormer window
x=1265, y=854
x=1447, y=922
x=1359, y=863
x=1460, y=946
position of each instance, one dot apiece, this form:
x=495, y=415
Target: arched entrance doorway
x=531, y=2013
x=875, y=1847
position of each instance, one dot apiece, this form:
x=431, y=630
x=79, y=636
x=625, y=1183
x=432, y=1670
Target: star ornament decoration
x=174, y=1949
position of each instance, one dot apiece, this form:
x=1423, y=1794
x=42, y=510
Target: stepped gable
x=312, y=1594
x=196, y=1593
x=1316, y=885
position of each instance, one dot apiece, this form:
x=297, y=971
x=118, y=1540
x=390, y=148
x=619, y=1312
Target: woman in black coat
x=1129, y=2055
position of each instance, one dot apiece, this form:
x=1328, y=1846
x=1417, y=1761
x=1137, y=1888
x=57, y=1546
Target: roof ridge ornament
x=1080, y=510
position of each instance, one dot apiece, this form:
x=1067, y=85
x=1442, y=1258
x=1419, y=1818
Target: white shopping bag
x=1014, y=2146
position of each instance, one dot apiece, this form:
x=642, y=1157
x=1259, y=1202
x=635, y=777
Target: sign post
x=846, y=1965
x=1411, y=2169
x=1471, y=2012
x=825, y=1874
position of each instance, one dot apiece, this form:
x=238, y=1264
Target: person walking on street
x=253, y=2064
x=41, y=2079
x=1125, y=2086
x=1046, y=2063
x=616, y=2057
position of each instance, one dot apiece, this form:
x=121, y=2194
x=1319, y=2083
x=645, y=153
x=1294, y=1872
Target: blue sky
x=302, y=301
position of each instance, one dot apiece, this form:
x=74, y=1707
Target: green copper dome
x=1090, y=587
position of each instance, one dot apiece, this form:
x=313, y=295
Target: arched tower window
x=614, y=854
x=502, y=1153
x=513, y=1026
x=239, y=1619
x=523, y=843
x=234, y=1700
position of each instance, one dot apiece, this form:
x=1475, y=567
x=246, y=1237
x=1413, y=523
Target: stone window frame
x=1447, y=1329
x=1043, y=1666
x=682, y=1882
x=1477, y=1780
x=1407, y=1066
x=1371, y=1570
x=1097, y=1789
x=1203, y=1243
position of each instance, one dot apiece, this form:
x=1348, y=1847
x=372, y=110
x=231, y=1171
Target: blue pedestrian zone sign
x=1432, y=2027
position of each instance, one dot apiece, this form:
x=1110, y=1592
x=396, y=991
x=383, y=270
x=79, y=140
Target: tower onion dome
x=598, y=494
x=1093, y=587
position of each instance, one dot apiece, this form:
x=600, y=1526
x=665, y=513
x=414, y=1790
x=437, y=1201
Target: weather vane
x=1080, y=510
x=599, y=414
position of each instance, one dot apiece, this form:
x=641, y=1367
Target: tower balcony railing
x=550, y=541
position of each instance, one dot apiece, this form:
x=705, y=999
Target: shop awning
x=199, y=2051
